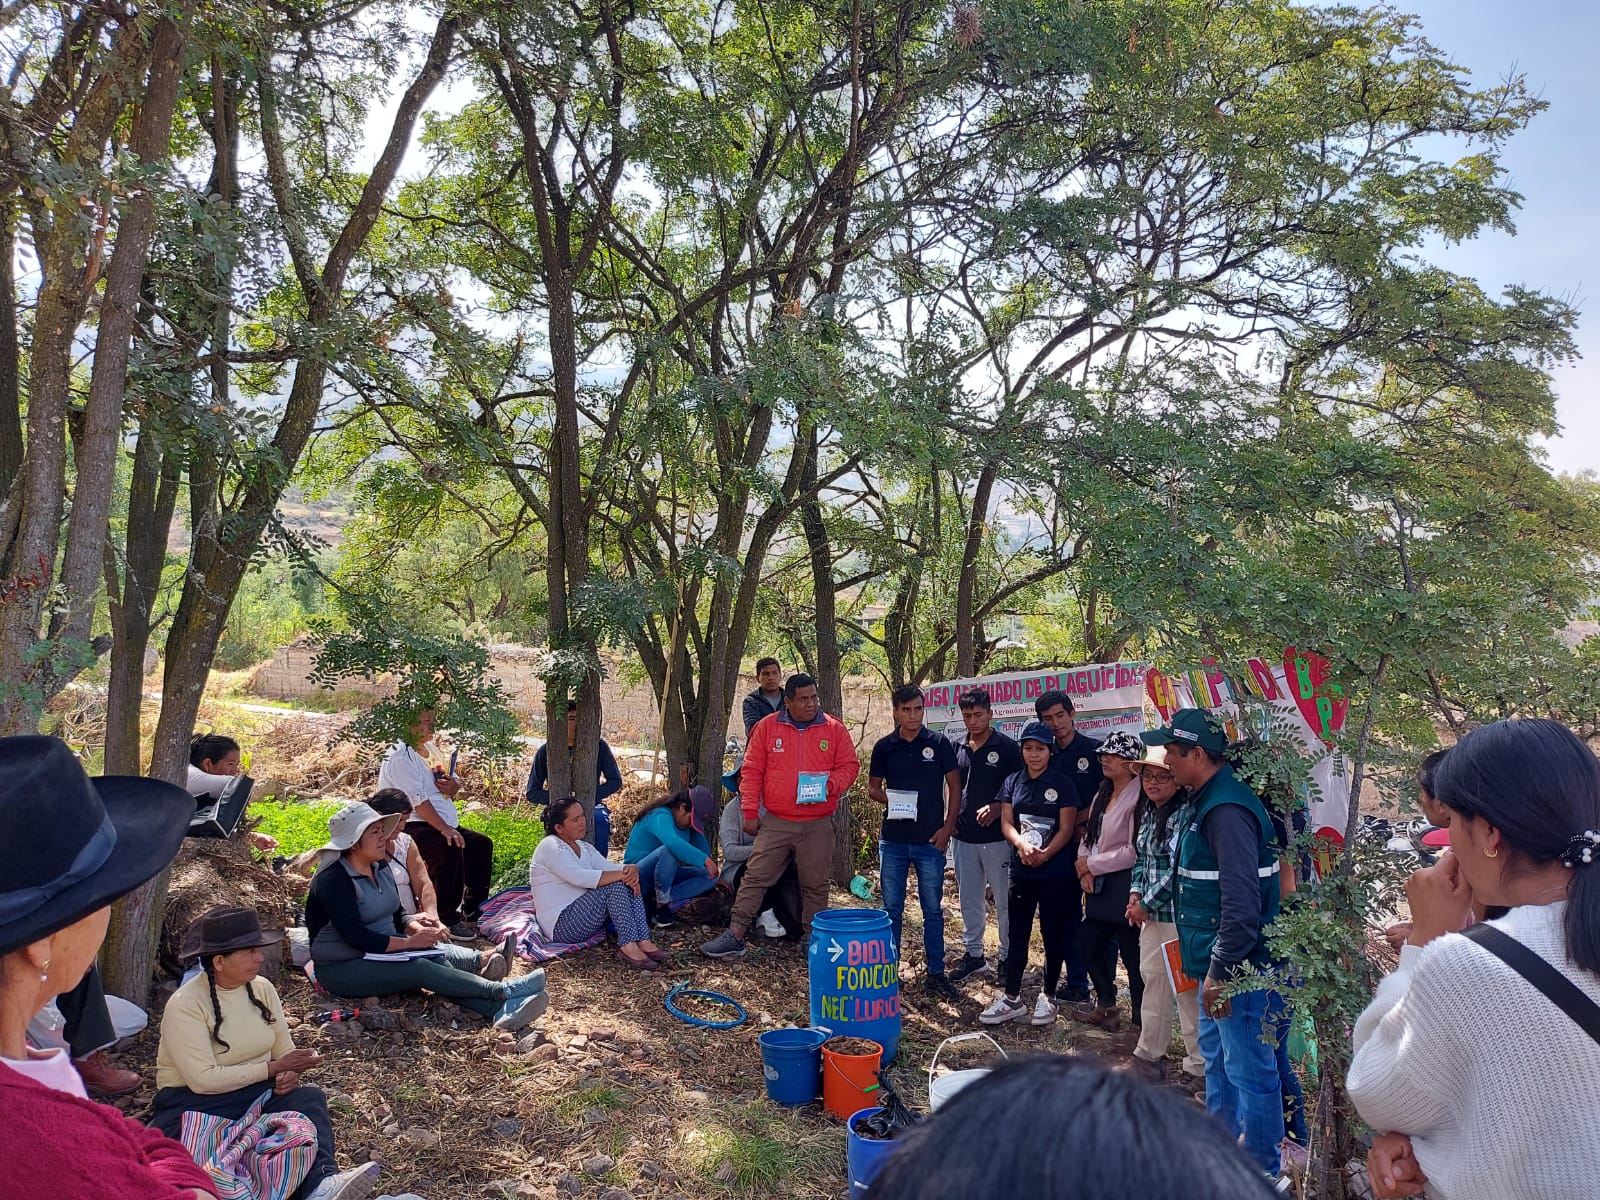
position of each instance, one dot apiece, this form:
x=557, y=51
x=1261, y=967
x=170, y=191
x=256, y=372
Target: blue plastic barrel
x=864, y=1157
x=791, y=1063
x=855, y=976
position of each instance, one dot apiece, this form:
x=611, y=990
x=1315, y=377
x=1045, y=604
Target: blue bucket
x=855, y=976
x=791, y=1063
x=864, y=1157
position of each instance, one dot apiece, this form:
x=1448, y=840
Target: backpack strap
x=1555, y=986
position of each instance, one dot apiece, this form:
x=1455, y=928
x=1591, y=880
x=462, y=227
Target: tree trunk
x=10, y=391
x=222, y=548
x=830, y=685
x=152, y=497
x=967, y=624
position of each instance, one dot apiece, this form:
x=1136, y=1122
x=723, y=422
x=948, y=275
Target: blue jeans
x=668, y=881
x=1294, y=1097
x=895, y=860
x=1243, y=1090
x=602, y=828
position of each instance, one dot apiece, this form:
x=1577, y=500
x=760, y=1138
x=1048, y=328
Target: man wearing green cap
x=1227, y=885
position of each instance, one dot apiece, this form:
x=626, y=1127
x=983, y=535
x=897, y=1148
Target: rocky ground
x=609, y=1096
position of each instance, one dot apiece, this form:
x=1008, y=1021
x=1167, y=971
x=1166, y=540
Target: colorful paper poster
x=1105, y=696
x=1300, y=691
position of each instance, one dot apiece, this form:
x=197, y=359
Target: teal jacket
x=657, y=828
x=1224, y=908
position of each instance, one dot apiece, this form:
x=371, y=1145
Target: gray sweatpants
x=977, y=864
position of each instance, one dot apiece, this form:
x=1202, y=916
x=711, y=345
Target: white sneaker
x=354, y=1184
x=1044, y=1010
x=1002, y=1010
x=769, y=925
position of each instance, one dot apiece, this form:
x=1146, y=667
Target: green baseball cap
x=1189, y=727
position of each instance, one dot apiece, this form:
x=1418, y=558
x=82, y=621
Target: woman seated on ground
x=353, y=913
x=224, y=1041
x=576, y=890
x=69, y=846
x=411, y=879
x=1148, y=1142
x=672, y=856
x=1471, y=1056
x=213, y=764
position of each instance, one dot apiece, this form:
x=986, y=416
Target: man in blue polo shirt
x=913, y=775
x=1075, y=755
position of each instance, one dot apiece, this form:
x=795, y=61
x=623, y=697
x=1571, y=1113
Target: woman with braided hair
x=224, y=1041
x=1479, y=1057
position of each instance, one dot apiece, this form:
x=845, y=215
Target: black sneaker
x=1072, y=995
x=968, y=967
x=662, y=918
x=940, y=988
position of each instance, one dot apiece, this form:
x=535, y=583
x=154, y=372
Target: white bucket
x=942, y=1087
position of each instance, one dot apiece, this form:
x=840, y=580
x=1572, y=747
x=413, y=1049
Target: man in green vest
x=1227, y=869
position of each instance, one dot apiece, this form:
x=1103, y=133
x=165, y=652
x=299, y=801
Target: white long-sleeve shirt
x=1498, y=1089
x=557, y=877
x=407, y=770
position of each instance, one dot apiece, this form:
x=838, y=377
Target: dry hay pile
x=302, y=757
x=221, y=871
x=626, y=806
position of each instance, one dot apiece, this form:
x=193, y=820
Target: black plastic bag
x=893, y=1117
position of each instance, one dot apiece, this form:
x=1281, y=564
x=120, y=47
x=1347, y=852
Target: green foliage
x=444, y=672
x=277, y=603
x=297, y=825
x=516, y=833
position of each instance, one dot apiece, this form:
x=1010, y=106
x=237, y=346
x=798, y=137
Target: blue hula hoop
x=683, y=989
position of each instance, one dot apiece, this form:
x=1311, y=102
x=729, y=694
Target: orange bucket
x=849, y=1081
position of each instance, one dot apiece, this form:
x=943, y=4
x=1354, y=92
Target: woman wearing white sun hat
x=353, y=914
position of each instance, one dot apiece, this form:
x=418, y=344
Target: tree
x=228, y=523
x=62, y=170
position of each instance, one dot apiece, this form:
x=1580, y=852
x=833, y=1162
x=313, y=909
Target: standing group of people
x=1118, y=848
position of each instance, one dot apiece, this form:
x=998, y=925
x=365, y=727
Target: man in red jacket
x=799, y=763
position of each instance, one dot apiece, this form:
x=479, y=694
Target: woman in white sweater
x=1481, y=1086
x=576, y=890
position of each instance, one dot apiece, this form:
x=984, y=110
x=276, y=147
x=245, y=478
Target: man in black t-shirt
x=1076, y=756
x=913, y=775
x=985, y=758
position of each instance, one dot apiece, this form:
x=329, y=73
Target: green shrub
x=515, y=835
x=298, y=826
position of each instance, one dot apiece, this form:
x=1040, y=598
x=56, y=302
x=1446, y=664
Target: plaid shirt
x=1156, y=868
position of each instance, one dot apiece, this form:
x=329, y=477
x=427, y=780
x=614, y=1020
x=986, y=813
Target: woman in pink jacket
x=1105, y=869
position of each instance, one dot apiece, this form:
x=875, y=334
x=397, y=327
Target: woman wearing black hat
x=224, y=1041
x=69, y=846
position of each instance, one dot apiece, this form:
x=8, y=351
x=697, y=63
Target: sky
x=1555, y=164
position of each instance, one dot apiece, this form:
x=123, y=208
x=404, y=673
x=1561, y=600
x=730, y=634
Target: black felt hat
x=70, y=844
x=224, y=930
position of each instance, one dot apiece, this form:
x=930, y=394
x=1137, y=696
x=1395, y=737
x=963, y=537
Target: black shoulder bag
x=1557, y=988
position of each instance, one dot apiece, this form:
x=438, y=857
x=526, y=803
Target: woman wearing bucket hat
x=364, y=945
x=1105, y=870
x=69, y=846
x=224, y=1040
x=1039, y=817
